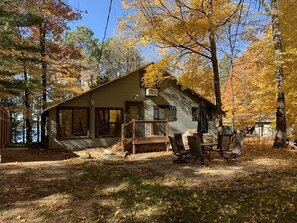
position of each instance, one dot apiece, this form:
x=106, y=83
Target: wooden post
x=133, y=136
x=123, y=138
x=151, y=129
x=167, y=134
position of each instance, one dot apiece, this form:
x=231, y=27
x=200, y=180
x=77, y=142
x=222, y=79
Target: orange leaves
x=253, y=83
x=254, y=75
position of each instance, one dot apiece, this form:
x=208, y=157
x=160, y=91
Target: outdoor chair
x=226, y=140
x=195, y=148
x=176, y=151
x=179, y=141
x=225, y=144
x=207, y=138
x=236, y=150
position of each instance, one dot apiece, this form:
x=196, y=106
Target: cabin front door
x=134, y=110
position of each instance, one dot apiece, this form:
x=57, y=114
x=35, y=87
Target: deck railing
x=5, y=128
x=141, y=131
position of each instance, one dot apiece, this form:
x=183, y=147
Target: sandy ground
x=47, y=171
x=215, y=169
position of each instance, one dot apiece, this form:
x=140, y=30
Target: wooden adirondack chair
x=196, y=149
x=176, y=150
x=236, y=150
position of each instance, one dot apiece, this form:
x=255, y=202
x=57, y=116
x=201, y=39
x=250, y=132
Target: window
x=108, y=122
x=195, y=113
x=73, y=122
x=162, y=112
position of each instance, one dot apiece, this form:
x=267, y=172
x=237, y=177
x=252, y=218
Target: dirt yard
x=49, y=186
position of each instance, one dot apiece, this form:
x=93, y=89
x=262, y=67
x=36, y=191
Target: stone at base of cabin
x=108, y=152
x=85, y=155
x=116, y=147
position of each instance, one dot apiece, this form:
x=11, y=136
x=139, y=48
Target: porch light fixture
x=92, y=102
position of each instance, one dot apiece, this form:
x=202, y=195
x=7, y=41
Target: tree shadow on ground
x=133, y=191
x=35, y=154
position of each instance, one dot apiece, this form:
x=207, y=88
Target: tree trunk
x=28, y=117
x=280, y=137
x=217, y=89
x=215, y=65
x=230, y=72
x=232, y=95
x=42, y=33
x=38, y=126
x=42, y=40
x=216, y=78
x=23, y=130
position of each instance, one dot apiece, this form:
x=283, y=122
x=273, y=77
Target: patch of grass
x=260, y=197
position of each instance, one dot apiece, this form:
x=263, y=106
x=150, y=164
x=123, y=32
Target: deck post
x=123, y=138
x=167, y=134
x=133, y=136
x=151, y=129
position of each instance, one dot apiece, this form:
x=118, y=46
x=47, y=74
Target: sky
x=95, y=18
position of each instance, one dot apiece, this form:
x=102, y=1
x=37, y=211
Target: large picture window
x=108, y=121
x=73, y=122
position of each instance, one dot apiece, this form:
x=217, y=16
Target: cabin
x=124, y=110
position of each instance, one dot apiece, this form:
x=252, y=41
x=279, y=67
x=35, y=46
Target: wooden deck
x=149, y=139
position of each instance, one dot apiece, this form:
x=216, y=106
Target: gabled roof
x=124, y=76
x=107, y=83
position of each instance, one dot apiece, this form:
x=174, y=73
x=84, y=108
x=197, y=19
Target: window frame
x=171, y=109
x=109, y=123
x=72, y=123
x=195, y=113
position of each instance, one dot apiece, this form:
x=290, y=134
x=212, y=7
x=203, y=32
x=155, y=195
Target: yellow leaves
x=253, y=82
x=127, y=5
x=289, y=34
x=199, y=81
x=154, y=73
x=144, y=40
x=159, y=3
x=163, y=21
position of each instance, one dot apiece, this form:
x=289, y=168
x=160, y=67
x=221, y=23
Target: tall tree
x=253, y=70
x=88, y=46
x=188, y=29
x=119, y=57
x=288, y=27
x=274, y=13
x=11, y=48
x=56, y=72
x=32, y=53
x=55, y=15
x=19, y=57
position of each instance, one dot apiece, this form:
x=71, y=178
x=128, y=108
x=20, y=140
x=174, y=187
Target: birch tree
x=274, y=13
